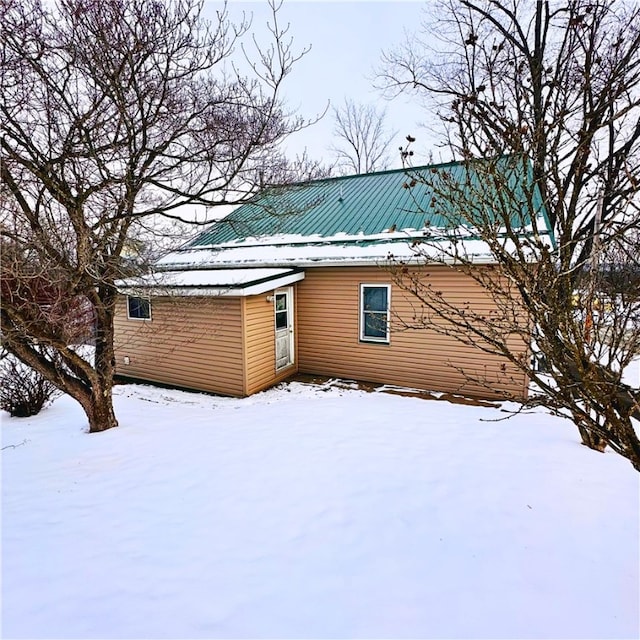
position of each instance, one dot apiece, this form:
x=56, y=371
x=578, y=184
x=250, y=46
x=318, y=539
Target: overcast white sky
x=346, y=41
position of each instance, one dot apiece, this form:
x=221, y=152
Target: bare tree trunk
x=98, y=407
x=100, y=413
x=590, y=439
x=88, y=382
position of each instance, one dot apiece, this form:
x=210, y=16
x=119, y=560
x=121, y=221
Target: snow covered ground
x=313, y=512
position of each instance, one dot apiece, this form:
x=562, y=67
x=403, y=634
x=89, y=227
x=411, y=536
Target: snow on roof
x=226, y=282
x=282, y=251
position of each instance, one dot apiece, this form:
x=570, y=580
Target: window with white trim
x=138, y=308
x=375, y=304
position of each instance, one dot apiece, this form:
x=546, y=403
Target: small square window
x=282, y=314
x=138, y=308
x=374, y=312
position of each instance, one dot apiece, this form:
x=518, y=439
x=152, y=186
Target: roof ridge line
x=353, y=176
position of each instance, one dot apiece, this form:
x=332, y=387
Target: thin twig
x=14, y=446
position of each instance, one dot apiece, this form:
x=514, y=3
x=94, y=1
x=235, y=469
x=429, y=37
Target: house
x=296, y=282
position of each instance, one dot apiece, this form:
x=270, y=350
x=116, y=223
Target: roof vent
x=340, y=198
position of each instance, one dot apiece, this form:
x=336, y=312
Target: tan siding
x=227, y=345
x=328, y=334
x=189, y=342
x=259, y=328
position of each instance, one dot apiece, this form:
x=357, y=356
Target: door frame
x=288, y=291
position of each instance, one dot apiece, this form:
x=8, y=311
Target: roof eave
x=250, y=289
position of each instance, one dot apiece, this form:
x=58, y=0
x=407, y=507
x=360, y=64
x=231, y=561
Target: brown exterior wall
x=227, y=345
x=259, y=328
x=189, y=342
x=328, y=336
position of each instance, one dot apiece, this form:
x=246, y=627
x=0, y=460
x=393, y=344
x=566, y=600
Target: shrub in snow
x=23, y=391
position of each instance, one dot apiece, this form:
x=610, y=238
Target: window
x=282, y=314
x=374, y=312
x=138, y=308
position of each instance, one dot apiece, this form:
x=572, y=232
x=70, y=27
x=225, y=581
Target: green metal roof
x=375, y=203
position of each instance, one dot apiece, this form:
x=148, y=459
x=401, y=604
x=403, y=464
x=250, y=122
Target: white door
x=284, y=327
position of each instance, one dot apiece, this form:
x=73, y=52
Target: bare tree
x=116, y=114
x=363, y=138
x=550, y=91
